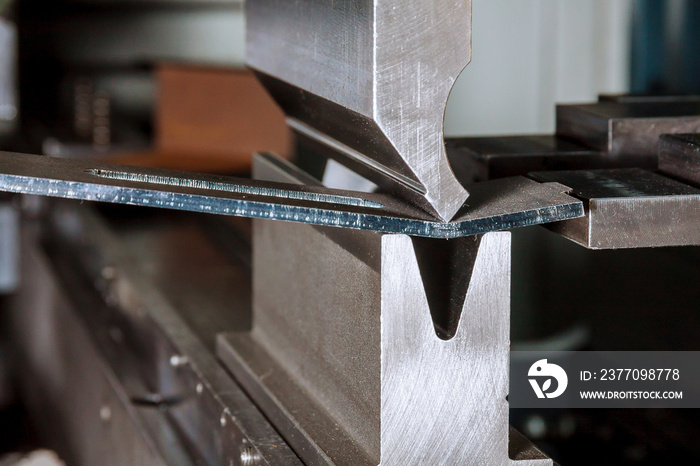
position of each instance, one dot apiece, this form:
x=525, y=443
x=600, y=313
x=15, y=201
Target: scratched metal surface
x=370, y=78
x=497, y=205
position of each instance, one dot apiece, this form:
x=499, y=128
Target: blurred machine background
x=105, y=307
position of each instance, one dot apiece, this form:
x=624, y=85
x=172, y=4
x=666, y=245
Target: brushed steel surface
x=347, y=364
x=629, y=208
x=344, y=355
x=370, y=78
x=497, y=205
x=444, y=402
x=312, y=364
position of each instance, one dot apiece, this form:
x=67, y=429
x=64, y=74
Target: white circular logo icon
x=545, y=372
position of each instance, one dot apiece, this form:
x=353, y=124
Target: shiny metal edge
x=493, y=206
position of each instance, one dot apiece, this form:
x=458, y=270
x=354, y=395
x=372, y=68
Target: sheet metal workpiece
x=629, y=208
x=679, y=156
x=499, y=205
x=369, y=78
x=629, y=129
x=345, y=360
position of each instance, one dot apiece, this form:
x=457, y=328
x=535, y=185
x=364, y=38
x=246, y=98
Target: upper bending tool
x=369, y=79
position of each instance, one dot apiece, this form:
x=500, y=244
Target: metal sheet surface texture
x=499, y=205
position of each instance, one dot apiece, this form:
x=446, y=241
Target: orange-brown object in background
x=212, y=120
